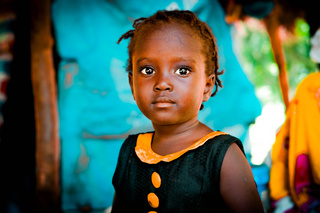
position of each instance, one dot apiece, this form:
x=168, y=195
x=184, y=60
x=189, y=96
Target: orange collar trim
x=147, y=155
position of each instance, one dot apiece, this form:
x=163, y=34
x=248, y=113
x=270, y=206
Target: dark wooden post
x=273, y=27
x=46, y=115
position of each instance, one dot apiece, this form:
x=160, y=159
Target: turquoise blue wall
x=96, y=109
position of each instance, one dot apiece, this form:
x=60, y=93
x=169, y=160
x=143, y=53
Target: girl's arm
x=237, y=186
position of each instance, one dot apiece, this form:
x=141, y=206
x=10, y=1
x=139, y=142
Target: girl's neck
x=175, y=129
x=173, y=138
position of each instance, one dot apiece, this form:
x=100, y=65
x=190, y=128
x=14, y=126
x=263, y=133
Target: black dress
x=189, y=183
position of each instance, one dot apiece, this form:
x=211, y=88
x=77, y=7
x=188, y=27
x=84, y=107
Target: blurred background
x=66, y=105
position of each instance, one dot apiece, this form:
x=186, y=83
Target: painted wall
x=96, y=107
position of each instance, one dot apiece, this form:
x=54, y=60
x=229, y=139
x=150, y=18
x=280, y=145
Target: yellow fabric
x=301, y=133
x=147, y=155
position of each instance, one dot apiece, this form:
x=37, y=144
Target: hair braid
x=127, y=35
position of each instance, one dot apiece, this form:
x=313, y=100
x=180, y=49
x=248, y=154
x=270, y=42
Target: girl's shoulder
x=124, y=154
x=221, y=143
x=130, y=142
x=215, y=151
x=236, y=178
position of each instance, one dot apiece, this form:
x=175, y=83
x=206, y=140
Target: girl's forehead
x=169, y=43
x=172, y=33
x=169, y=28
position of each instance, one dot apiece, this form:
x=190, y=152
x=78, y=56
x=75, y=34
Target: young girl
x=183, y=165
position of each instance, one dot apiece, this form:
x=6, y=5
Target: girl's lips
x=163, y=102
x=162, y=105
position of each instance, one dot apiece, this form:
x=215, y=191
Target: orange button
x=153, y=200
x=156, y=180
x=152, y=212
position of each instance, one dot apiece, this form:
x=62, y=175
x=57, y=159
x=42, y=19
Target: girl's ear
x=130, y=77
x=209, y=87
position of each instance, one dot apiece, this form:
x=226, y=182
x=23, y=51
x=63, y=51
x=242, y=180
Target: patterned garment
x=295, y=170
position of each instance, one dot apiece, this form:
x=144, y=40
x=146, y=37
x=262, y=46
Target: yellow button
x=153, y=200
x=156, y=180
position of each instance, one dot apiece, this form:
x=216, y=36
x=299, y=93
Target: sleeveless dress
x=186, y=181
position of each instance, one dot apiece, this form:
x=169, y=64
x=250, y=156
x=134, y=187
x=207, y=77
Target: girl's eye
x=182, y=71
x=147, y=71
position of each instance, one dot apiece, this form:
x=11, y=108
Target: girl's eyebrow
x=141, y=59
x=184, y=59
x=176, y=59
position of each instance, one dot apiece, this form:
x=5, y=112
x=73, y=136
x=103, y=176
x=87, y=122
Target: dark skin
x=169, y=84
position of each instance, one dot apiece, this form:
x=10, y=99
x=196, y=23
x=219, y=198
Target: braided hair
x=184, y=17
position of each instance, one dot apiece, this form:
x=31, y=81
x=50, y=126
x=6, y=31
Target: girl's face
x=168, y=79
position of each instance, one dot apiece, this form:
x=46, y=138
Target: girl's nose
x=163, y=82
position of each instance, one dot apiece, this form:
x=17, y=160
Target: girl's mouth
x=163, y=102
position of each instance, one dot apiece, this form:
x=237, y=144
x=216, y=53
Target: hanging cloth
x=295, y=170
